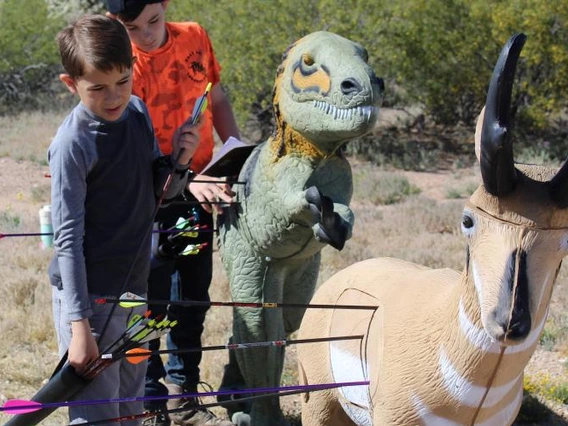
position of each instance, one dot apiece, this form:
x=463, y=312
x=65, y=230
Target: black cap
x=129, y=7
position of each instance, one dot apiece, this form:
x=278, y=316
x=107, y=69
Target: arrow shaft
x=157, y=231
x=235, y=304
x=191, y=202
x=26, y=234
x=230, y=182
x=232, y=346
x=149, y=414
x=274, y=391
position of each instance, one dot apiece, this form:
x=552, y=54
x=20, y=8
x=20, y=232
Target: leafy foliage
x=29, y=59
x=439, y=53
x=443, y=51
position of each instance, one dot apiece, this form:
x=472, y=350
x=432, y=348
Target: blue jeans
x=184, y=278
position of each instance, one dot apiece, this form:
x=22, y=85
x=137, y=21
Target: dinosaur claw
x=313, y=196
x=331, y=230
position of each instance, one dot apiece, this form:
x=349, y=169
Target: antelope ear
x=478, y=130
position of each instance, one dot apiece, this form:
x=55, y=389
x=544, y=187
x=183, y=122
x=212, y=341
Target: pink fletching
x=20, y=406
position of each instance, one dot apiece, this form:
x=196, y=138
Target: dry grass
x=28, y=135
x=422, y=228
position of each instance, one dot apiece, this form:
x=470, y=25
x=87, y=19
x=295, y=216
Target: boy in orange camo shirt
x=174, y=64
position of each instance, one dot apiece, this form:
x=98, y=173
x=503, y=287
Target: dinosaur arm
x=274, y=207
x=329, y=195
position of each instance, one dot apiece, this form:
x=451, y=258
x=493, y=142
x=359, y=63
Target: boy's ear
x=110, y=15
x=165, y=4
x=69, y=82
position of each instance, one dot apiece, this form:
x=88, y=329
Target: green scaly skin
x=295, y=201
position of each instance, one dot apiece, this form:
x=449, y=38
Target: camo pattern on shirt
x=171, y=78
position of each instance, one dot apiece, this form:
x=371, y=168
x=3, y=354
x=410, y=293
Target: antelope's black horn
x=497, y=164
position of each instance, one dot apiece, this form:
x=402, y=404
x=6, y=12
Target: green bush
x=443, y=52
x=29, y=62
x=438, y=53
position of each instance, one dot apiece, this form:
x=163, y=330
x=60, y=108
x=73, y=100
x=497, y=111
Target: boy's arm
x=223, y=117
x=68, y=193
x=83, y=346
x=68, y=167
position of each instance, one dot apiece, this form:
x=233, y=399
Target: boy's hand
x=207, y=193
x=186, y=138
x=83, y=347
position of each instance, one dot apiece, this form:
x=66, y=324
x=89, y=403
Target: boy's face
x=148, y=30
x=105, y=94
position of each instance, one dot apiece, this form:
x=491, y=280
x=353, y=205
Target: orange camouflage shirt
x=170, y=79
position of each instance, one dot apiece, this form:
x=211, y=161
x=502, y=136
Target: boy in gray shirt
x=103, y=195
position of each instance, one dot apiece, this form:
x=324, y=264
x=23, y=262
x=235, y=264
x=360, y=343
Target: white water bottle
x=45, y=226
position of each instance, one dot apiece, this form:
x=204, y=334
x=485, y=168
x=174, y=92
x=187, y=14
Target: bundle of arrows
x=142, y=329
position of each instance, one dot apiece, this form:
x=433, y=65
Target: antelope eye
x=467, y=221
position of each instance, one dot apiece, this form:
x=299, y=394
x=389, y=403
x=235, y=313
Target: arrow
x=230, y=182
x=31, y=234
x=137, y=325
x=21, y=406
x=131, y=300
x=157, y=231
x=200, y=105
x=191, y=202
x=136, y=336
x=137, y=355
x=150, y=414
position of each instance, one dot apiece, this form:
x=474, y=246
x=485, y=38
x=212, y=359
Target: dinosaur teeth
x=344, y=113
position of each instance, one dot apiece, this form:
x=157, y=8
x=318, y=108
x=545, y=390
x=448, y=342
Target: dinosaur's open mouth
x=345, y=113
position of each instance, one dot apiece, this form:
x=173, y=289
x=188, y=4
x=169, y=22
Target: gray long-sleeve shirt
x=102, y=202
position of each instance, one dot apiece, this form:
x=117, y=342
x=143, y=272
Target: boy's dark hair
x=96, y=40
x=128, y=10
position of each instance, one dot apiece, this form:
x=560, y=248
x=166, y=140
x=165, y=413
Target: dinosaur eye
x=307, y=59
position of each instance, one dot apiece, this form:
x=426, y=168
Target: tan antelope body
x=444, y=348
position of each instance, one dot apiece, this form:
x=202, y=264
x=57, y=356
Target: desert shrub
x=552, y=388
x=9, y=221
x=40, y=193
x=381, y=188
x=29, y=64
x=429, y=149
x=448, y=71
x=548, y=338
x=545, y=146
x=462, y=190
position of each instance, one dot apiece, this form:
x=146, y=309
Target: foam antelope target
x=443, y=347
